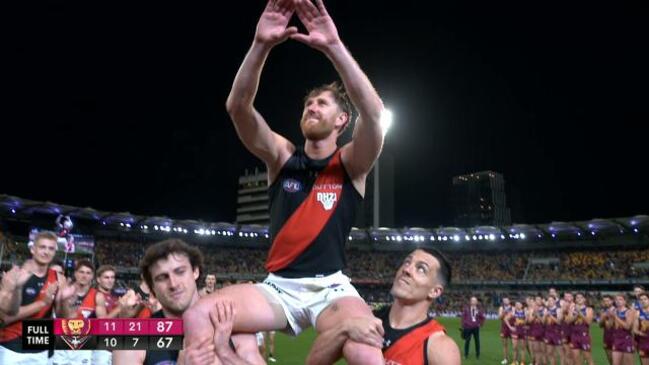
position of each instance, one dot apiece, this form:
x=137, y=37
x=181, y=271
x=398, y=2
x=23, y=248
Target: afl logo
x=30, y=291
x=292, y=185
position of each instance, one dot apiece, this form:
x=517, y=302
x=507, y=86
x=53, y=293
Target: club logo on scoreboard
x=75, y=332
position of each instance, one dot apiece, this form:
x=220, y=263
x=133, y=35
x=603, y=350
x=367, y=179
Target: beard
x=316, y=131
x=177, y=307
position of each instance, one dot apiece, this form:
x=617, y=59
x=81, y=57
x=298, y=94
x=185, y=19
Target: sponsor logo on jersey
x=327, y=199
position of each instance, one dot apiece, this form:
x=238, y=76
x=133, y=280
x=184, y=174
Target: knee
x=360, y=353
x=248, y=350
x=195, y=319
x=197, y=313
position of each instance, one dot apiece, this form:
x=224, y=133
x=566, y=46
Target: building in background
x=479, y=199
x=252, y=198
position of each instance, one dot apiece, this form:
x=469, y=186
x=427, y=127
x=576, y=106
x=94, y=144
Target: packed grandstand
x=596, y=256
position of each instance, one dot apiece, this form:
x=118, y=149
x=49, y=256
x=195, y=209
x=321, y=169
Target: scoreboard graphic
x=150, y=334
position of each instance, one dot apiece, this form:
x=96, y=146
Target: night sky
x=120, y=106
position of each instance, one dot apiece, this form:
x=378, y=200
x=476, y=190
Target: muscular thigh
x=340, y=310
x=255, y=309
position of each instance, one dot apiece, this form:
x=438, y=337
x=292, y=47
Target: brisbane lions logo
x=76, y=332
x=327, y=199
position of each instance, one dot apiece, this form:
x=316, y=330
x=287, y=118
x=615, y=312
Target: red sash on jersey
x=145, y=313
x=88, y=304
x=308, y=220
x=409, y=349
x=15, y=330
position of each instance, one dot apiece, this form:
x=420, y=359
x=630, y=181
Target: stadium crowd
x=373, y=265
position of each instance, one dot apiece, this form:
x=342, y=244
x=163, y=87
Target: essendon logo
x=75, y=332
x=327, y=199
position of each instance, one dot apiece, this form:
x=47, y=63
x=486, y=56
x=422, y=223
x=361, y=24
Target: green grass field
x=293, y=351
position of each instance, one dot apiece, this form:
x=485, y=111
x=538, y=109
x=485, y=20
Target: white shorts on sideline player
x=260, y=339
x=102, y=357
x=72, y=357
x=10, y=357
x=304, y=298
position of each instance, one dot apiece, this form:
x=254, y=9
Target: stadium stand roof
x=11, y=206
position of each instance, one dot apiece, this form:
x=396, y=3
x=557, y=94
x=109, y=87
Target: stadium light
x=475, y=238
x=399, y=238
x=635, y=230
x=13, y=211
x=456, y=238
x=467, y=238
x=522, y=236
x=386, y=121
x=502, y=236
x=492, y=237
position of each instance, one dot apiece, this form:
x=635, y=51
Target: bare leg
x=589, y=357
x=506, y=348
x=617, y=358
x=246, y=347
x=515, y=349
x=551, y=354
x=576, y=356
x=336, y=313
x=254, y=312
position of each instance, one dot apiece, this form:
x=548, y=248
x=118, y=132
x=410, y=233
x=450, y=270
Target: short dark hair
x=639, y=286
x=103, y=268
x=607, y=296
x=57, y=263
x=340, y=95
x=644, y=294
x=84, y=262
x=444, y=273
x=163, y=249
